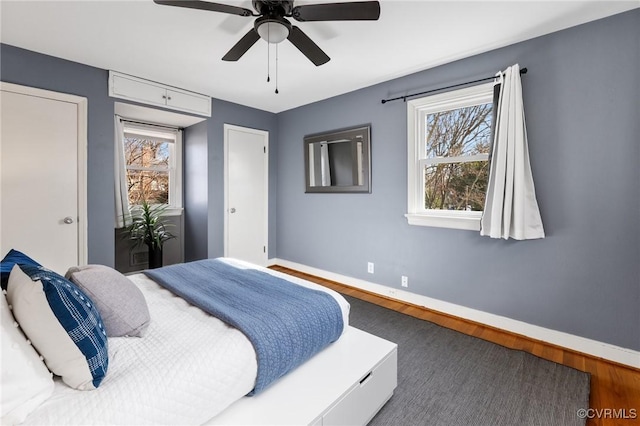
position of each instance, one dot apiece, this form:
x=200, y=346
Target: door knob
x=68, y=220
x=232, y=210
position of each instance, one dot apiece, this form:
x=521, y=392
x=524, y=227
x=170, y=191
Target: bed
x=190, y=367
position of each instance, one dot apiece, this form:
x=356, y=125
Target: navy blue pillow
x=13, y=257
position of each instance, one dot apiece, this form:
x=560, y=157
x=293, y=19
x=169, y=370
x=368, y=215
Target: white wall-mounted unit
x=149, y=92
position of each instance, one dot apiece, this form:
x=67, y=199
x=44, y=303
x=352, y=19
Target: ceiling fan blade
x=304, y=44
x=205, y=5
x=242, y=46
x=351, y=11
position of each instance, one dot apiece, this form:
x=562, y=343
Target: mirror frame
x=334, y=135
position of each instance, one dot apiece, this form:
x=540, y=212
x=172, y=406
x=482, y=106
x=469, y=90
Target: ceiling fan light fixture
x=273, y=27
x=273, y=31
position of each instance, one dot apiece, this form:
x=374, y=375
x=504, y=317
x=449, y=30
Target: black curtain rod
x=404, y=98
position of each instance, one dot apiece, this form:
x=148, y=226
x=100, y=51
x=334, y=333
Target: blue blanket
x=286, y=323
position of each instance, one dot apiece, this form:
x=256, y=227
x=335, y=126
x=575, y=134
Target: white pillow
x=61, y=321
x=26, y=381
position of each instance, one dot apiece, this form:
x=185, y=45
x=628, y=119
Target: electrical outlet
x=405, y=281
x=370, y=267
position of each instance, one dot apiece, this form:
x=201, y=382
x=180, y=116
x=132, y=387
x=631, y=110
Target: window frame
x=417, y=111
x=158, y=132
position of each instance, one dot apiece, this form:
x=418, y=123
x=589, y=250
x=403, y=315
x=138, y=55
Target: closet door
x=246, y=194
x=41, y=212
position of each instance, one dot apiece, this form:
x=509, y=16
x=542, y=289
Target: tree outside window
x=148, y=168
x=456, y=170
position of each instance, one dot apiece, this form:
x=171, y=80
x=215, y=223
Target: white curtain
x=120, y=172
x=511, y=209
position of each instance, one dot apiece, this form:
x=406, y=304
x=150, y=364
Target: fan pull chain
x=277, y=69
x=268, y=52
x=268, y=66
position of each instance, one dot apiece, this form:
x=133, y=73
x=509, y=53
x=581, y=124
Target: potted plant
x=149, y=227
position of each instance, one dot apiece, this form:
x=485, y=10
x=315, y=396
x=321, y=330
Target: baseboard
x=580, y=344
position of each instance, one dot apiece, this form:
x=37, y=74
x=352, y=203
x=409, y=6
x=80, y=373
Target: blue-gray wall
x=582, y=107
x=581, y=102
x=28, y=68
x=196, y=191
x=204, y=181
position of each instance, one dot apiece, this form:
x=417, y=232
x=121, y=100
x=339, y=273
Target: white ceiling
x=182, y=47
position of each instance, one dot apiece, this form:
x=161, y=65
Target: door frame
x=82, y=109
x=265, y=135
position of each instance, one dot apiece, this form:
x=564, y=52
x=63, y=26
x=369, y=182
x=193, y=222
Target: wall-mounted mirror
x=338, y=161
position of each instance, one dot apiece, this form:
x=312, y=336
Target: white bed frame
x=345, y=384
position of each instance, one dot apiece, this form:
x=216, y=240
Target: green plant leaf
x=148, y=226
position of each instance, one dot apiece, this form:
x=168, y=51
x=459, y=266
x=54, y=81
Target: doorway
x=43, y=175
x=246, y=171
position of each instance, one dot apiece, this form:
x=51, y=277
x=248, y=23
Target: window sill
x=173, y=211
x=169, y=210
x=446, y=220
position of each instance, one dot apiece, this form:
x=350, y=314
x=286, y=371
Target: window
x=152, y=163
x=449, y=138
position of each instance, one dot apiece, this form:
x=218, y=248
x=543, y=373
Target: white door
x=41, y=212
x=246, y=193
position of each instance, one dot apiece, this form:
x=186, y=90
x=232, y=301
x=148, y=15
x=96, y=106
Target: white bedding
x=188, y=367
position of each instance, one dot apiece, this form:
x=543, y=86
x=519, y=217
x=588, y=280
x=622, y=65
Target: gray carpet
x=449, y=378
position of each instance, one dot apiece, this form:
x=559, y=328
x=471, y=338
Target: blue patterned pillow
x=62, y=323
x=13, y=257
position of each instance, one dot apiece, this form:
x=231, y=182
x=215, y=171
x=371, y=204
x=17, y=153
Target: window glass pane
x=456, y=186
x=146, y=152
x=152, y=186
x=462, y=131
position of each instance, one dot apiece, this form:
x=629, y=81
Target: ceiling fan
x=273, y=26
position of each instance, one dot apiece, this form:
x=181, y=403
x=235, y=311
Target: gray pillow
x=120, y=303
